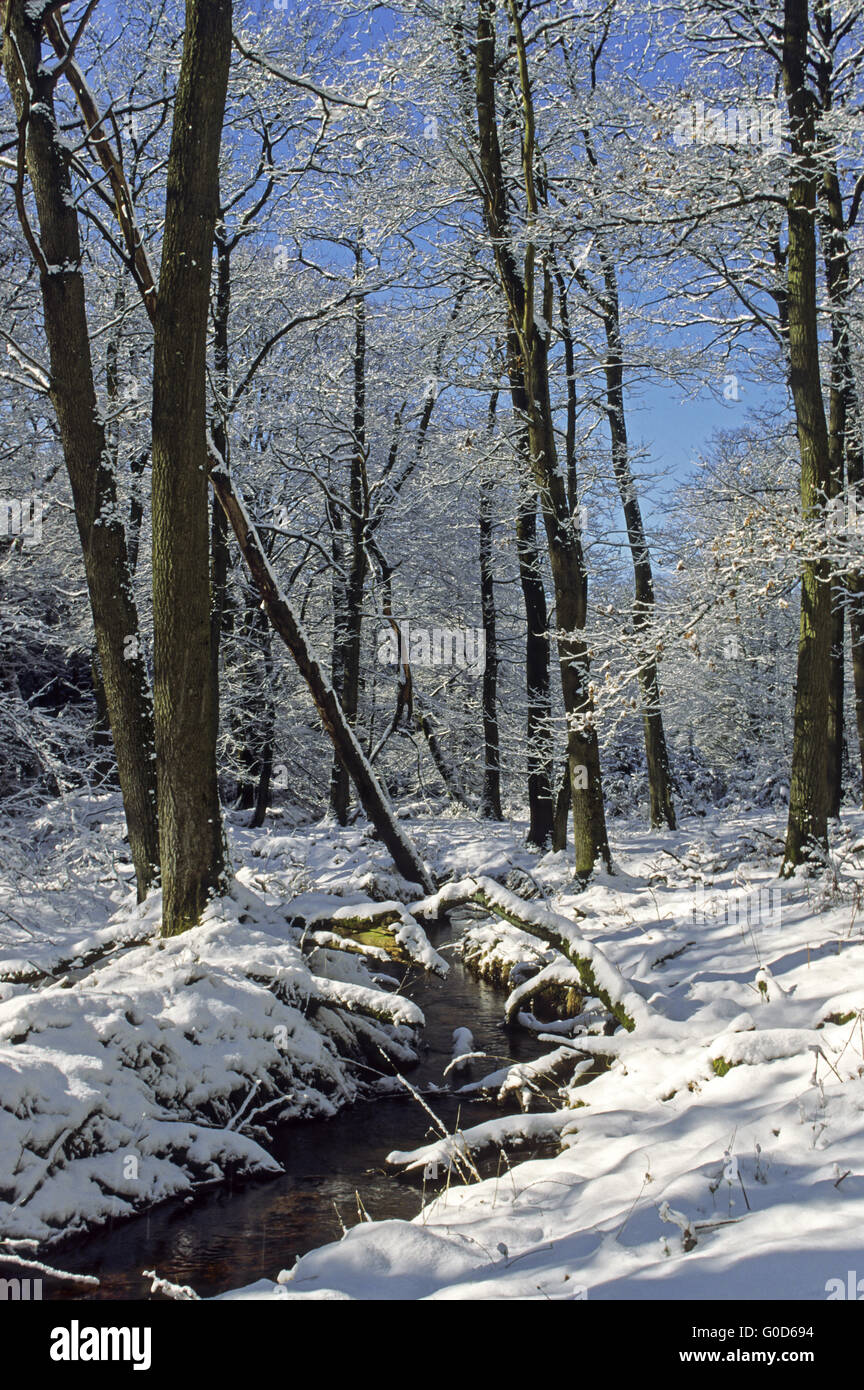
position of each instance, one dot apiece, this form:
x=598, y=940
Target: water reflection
x=234, y=1235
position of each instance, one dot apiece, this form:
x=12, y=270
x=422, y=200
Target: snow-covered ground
x=134, y=1069
x=713, y=1151
x=721, y=1154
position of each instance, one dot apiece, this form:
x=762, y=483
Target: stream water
x=236, y=1234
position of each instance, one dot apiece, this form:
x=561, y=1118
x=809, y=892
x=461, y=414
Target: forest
x=432, y=662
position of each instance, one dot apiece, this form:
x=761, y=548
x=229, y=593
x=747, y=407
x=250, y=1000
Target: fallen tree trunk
x=559, y=985
x=600, y=978
x=372, y=796
x=369, y=1003
x=388, y=926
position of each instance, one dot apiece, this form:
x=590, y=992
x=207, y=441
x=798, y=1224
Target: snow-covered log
x=508, y=1131
x=523, y=1079
x=559, y=982
x=387, y=926
x=598, y=975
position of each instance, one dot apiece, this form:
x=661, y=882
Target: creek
x=237, y=1233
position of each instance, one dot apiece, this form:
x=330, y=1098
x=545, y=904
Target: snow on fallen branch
x=388, y=926
x=9, y=1256
x=500, y=1133
x=599, y=977
x=375, y=1003
x=559, y=980
x=523, y=1079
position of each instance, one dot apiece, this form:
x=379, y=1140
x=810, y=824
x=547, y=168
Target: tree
x=807, y=829
x=190, y=819
x=528, y=295
x=57, y=254
x=846, y=444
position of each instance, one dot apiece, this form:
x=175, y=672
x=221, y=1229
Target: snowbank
x=136, y=1082
x=719, y=1153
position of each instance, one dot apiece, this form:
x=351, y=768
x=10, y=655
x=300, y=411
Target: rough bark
x=57, y=253
x=528, y=294
x=807, y=829
x=190, y=822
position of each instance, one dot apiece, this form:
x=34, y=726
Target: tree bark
x=855, y=585
x=219, y=553
x=807, y=829
x=348, y=617
x=539, y=724
x=57, y=253
x=844, y=424
x=491, y=795
x=529, y=335
x=191, y=837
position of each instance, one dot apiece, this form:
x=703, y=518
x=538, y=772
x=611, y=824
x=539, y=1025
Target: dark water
x=233, y=1236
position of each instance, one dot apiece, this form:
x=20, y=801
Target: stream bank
x=235, y=1234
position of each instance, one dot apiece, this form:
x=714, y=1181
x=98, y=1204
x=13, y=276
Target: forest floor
x=716, y=1151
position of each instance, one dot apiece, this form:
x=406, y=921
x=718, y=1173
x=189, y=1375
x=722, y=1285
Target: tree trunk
x=843, y=416
x=265, y=763
x=254, y=715
x=662, y=811
x=105, y=767
x=529, y=346
x=219, y=554
x=57, y=253
x=347, y=636
x=855, y=586
x=562, y=811
x=491, y=795
x=539, y=727
x=807, y=829
x=191, y=837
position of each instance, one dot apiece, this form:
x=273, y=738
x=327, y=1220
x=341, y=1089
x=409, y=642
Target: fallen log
x=600, y=978
x=371, y=794
x=381, y=926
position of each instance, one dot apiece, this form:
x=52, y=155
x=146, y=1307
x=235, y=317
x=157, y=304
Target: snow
x=715, y=1150
x=678, y=1178
x=592, y=963
x=150, y=1069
